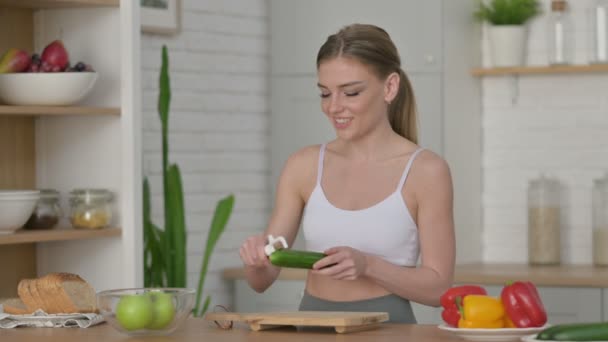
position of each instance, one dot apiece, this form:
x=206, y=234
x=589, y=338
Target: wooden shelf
x=58, y=3
x=53, y=110
x=531, y=70
x=57, y=234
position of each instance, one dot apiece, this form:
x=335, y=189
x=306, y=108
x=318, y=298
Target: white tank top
x=385, y=229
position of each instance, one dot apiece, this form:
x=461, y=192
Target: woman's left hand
x=344, y=263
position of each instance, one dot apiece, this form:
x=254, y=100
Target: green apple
x=134, y=312
x=163, y=310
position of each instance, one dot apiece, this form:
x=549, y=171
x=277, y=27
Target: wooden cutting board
x=342, y=322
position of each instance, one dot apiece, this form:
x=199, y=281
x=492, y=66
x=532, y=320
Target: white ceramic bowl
x=45, y=88
x=15, y=208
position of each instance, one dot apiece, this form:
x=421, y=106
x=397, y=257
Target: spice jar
x=47, y=212
x=600, y=221
x=544, y=244
x=90, y=208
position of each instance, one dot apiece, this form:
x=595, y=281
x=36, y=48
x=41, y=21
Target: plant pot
x=507, y=45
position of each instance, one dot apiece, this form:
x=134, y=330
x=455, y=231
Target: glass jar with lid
x=600, y=221
x=47, y=212
x=598, y=18
x=90, y=208
x=544, y=243
x=561, y=34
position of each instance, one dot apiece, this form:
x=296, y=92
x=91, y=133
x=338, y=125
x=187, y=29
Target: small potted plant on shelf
x=507, y=28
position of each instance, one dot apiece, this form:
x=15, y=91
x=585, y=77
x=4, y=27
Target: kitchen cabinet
x=531, y=70
x=570, y=293
x=94, y=144
x=563, y=305
x=515, y=72
x=438, y=46
x=285, y=295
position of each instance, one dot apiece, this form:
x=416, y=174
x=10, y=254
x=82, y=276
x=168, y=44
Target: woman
x=371, y=199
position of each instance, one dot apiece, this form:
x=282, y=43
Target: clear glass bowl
x=146, y=311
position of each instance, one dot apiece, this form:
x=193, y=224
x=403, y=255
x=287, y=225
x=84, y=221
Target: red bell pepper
x=523, y=304
x=450, y=313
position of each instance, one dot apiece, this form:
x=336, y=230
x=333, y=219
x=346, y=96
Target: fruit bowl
x=146, y=311
x=16, y=206
x=45, y=88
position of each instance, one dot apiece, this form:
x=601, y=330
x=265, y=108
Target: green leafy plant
x=165, y=249
x=507, y=12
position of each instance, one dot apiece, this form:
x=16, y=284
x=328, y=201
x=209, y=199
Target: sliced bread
x=15, y=306
x=75, y=294
x=23, y=289
x=54, y=293
x=38, y=298
x=49, y=295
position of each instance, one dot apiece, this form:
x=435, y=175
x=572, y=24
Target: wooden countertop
x=198, y=330
x=495, y=274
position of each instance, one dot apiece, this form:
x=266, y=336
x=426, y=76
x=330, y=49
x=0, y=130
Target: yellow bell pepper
x=480, y=311
x=508, y=322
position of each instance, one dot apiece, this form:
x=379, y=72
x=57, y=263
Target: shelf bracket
x=514, y=87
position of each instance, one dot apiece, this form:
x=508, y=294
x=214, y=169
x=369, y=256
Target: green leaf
x=158, y=259
x=178, y=226
x=205, y=306
x=507, y=12
x=164, y=98
x=221, y=216
x=148, y=259
x=153, y=237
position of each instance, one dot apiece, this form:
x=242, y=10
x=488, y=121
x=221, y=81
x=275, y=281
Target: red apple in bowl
x=55, y=56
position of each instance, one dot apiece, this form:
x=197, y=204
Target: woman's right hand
x=252, y=252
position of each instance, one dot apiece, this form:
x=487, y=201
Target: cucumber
x=295, y=259
x=596, y=331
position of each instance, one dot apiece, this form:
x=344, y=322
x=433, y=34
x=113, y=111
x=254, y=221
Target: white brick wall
x=218, y=125
x=558, y=125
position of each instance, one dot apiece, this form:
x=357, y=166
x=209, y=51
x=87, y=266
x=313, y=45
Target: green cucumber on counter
x=596, y=331
x=295, y=259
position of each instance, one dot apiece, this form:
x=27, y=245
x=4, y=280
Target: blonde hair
x=372, y=46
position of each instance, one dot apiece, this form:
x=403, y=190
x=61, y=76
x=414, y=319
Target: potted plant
x=507, y=28
x=165, y=249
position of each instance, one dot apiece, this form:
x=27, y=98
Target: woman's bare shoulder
x=306, y=156
x=428, y=165
x=301, y=165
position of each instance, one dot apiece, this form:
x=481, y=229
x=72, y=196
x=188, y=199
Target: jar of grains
x=90, y=208
x=600, y=221
x=544, y=244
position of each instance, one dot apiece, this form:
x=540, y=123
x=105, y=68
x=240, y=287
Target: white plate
x=491, y=335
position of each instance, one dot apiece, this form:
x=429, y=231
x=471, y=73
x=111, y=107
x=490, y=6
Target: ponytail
x=402, y=111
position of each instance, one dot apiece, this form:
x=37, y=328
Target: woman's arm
x=424, y=284
x=284, y=221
